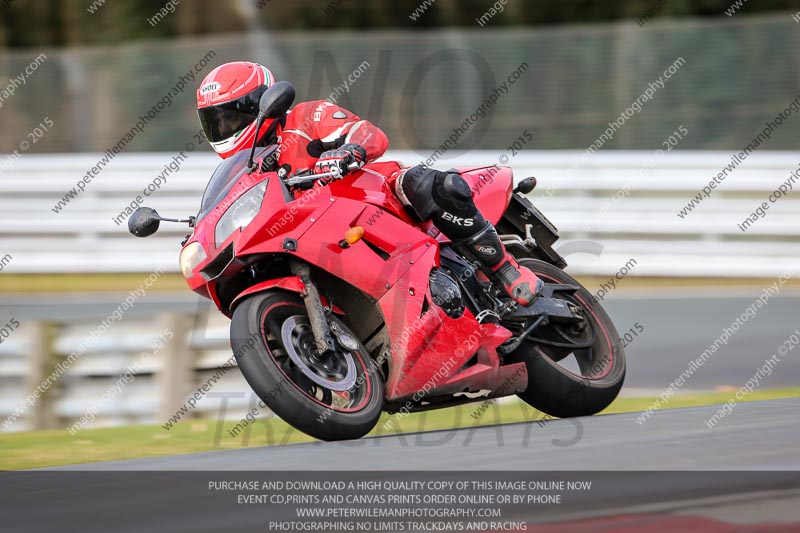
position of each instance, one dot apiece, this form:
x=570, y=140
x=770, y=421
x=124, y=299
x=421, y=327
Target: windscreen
x=226, y=175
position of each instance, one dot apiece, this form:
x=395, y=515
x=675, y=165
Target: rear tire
x=554, y=389
x=260, y=328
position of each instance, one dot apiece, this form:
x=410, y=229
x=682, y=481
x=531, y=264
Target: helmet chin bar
x=236, y=142
x=223, y=146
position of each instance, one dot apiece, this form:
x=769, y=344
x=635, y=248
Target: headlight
x=241, y=213
x=191, y=256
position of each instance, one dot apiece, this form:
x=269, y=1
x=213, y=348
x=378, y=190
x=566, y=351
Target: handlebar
x=334, y=173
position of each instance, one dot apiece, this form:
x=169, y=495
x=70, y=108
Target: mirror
x=144, y=222
x=526, y=186
x=274, y=103
x=276, y=100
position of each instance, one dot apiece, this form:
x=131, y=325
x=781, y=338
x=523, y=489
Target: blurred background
x=624, y=111
x=588, y=60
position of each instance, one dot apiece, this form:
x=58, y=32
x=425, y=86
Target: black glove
x=341, y=158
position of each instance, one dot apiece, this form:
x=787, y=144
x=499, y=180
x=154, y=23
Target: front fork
x=325, y=343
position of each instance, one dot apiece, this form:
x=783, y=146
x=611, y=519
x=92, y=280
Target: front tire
x=556, y=390
x=271, y=338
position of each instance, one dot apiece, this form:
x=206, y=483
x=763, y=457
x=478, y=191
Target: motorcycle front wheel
x=338, y=397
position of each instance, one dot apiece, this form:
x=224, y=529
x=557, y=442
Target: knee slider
x=457, y=187
x=452, y=193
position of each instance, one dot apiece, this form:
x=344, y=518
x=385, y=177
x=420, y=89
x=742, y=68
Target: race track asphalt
x=670, y=473
x=756, y=436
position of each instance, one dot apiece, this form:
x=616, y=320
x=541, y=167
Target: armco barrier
x=625, y=202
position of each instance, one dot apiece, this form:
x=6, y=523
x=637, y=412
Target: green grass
x=83, y=283
x=36, y=449
x=171, y=281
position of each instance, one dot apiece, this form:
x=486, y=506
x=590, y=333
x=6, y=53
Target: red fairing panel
x=429, y=349
x=292, y=283
x=491, y=189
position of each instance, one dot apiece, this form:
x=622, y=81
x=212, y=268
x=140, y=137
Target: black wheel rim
x=299, y=338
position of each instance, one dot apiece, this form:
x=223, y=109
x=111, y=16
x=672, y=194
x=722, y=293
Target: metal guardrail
x=622, y=201
x=91, y=384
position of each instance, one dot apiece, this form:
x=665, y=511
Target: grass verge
x=172, y=281
x=88, y=283
x=36, y=449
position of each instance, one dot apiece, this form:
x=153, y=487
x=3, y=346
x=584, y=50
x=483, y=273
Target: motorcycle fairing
x=391, y=264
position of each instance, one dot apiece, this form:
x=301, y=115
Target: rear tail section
x=491, y=189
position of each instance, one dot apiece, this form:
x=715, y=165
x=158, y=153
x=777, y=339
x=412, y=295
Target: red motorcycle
x=342, y=305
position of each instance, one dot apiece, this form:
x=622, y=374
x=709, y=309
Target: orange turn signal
x=354, y=234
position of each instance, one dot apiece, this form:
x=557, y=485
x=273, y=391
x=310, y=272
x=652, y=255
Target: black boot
x=519, y=282
x=446, y=198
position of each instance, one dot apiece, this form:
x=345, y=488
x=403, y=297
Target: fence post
x=176, y=377
x=42, y=362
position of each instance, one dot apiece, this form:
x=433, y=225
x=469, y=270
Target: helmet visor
x=221, y=122
x=225, y=120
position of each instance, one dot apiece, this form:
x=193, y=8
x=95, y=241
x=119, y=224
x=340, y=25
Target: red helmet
x=227, y=104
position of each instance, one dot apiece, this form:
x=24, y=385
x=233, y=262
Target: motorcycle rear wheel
x=272, y=341
x=553, y=388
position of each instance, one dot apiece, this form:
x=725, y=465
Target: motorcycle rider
x=321, y=135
